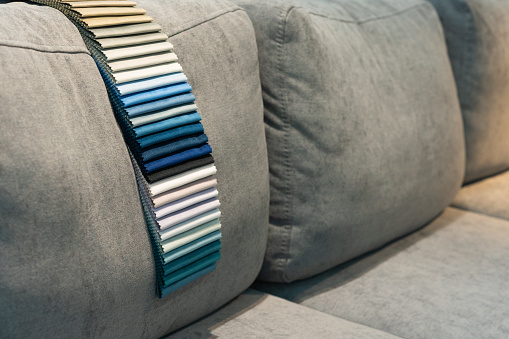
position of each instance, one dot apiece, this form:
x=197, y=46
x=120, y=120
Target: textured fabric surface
x=254, y=314
x=363, y=127
x=477, y=33
x=448, y=280
x=75, y=255
x=489, y=196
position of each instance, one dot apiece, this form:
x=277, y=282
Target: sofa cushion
x=254, y=314
x=477, y=33
x=75, y=256
x=489, y=196
x=448, y=280
x=363, y=126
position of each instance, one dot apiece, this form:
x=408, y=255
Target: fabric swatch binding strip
x=154, y=107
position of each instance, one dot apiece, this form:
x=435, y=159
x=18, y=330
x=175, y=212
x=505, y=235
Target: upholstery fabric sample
x=177, y=158
x=154, y=94
x=179, y=168
x=131, y=40
x=182, y=250
x=83, y=4
x=174, y=133
x=192, y=235
x=108, y=11
x=145, y=61
x=341, y=184
x=166, y=124
x=174, y=146
x=189, y=224
x=191, y=257
x=146, y=72
x=183, y=191
x=188, y=213
x=448, y=280
x=160, y=104
x=106, y=21
x=147, y=84
x=259, y=315
x=126, y=30
x=489, y=196
x=476, y=32
x=182, y=179
x=139, y=50
x=185, y=202
x=64, y=146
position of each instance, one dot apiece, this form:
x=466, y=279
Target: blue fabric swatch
x=172, y=288
x=170, y=134
x=146, y=84
x=174, y=146
x=155, y=94
x=190, y=269
x=165, y=124
x=159, y=104
x=177, y=158
x=191, y=257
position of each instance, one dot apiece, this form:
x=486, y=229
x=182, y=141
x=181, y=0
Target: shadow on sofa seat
x=447, y=280
x=255, y=314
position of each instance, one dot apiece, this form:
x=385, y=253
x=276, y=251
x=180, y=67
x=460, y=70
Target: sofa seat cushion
x=75, y=256
x=489, y=196
x=447, y=280
x=254, y=314
x=477, y=33
x=364, y=131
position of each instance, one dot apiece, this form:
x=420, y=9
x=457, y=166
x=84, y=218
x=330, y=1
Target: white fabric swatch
x=182, y=179
x=145, y=61
x=189, y=224
x=134, y=51
x=146, y=72
x=184, y=191
x=186, y=237
x=187, y=213
x=178, y=205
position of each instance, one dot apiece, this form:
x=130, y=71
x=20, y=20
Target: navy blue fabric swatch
x=177, y=158
x=174, y=146
x=180, y=168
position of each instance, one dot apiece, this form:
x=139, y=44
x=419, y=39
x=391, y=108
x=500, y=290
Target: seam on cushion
x=377, y=18
x=287, y=220
x=44, y=48
x=214, y=15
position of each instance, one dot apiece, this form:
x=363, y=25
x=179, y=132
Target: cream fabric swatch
x=131, y=40
x=121, y=31
x=134, y=51
x=115, y=20
x=109, y=11
x=133, y=63
x=106, y=3
x=146, y=72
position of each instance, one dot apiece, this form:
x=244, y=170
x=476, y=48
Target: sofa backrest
x=363, y=125
x=75, y=255
x=477, y=35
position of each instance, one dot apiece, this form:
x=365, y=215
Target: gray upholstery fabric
x=448, y=280
x=489, y=196
x=363, y=127
x=477, y=33
x=254, y=314
x=75, y=257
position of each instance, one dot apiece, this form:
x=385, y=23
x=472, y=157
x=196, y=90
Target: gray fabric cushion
x=448, y=280
x=75, y=257
x=363, y=127
x=254, y=314
x=489, y=196
x=477, y=33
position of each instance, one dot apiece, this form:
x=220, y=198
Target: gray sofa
x=362, y=154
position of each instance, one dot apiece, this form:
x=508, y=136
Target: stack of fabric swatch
x=155, y=110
